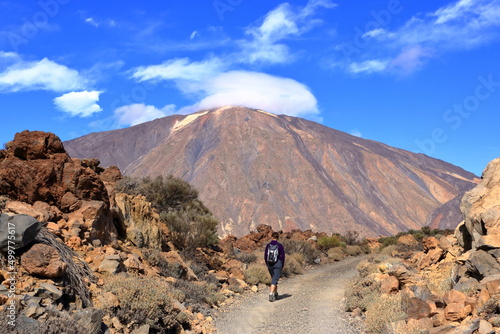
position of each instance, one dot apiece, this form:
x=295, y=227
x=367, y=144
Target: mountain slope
x=252, y=167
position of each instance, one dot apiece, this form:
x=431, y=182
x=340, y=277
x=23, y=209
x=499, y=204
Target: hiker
x=274, y=257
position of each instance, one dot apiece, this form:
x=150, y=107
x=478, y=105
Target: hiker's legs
x=275, y=272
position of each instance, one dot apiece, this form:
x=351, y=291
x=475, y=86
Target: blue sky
x=419, y=75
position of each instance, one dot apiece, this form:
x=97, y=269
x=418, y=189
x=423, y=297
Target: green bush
x=325, y=243
x=189, y=229
x=143, y=301
x=191, y=224
x=387, y=241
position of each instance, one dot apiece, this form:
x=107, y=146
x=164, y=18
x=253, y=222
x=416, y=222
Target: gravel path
x=308, y=303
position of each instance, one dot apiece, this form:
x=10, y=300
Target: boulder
x=481, y=263
x=491, y=283
x=35, y=167
x=430, y=243
x=17, y=231
x=485, y=327
x=111, y=265
x=43, y=260
x=408, y=240
x=453, y=296
x=417, y=308
x=389, y=284
x=47, y=290
x=457, y=311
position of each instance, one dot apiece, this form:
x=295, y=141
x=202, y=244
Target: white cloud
x=134, y=114
x=256, y=90
x=356, y=133
x=411, y=58
x=82, y=104
x=461, y=25
x=280, y=23
x=368, y=66
x=453, y=11
x=40, y=75
x=92, y=22
x=179, y=68
x=193, y=35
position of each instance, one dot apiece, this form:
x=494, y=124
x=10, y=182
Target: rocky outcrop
x=35, y=167
x=138, y=220
x=41, y=180
x=481, y=209
x=252, y=167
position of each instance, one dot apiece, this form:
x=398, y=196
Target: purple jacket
x=281, y=251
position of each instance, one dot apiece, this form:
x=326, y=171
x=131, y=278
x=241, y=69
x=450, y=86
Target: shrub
x=301, y=247
x=336, y=253
x=412, y=327
x=166, y=269
x=298, y=257
x=257, y=273
x=143, y=301
x=377, y=315
x=199, y=295
x=387, y=251
x=387, y=241
x=292, y=266
x=351, y=238
x=325, y=243
x=3, y=202
x=353, y=250
x=246, y=257
x=361, y=294
x=190, y=230
x=191, y=224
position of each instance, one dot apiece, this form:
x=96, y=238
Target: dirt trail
x=308, y=303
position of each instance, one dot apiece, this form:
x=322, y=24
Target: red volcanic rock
x=36, y=145
x=43, y=260
x=35, y=167
x=252, y=167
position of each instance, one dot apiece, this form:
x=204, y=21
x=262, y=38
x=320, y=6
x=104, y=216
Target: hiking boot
x=272, y=297
x=275, y=296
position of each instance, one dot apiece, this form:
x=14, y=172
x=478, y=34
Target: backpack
x=272, y=254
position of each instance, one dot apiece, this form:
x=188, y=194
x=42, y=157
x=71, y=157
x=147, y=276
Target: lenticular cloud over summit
x=255, y=90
